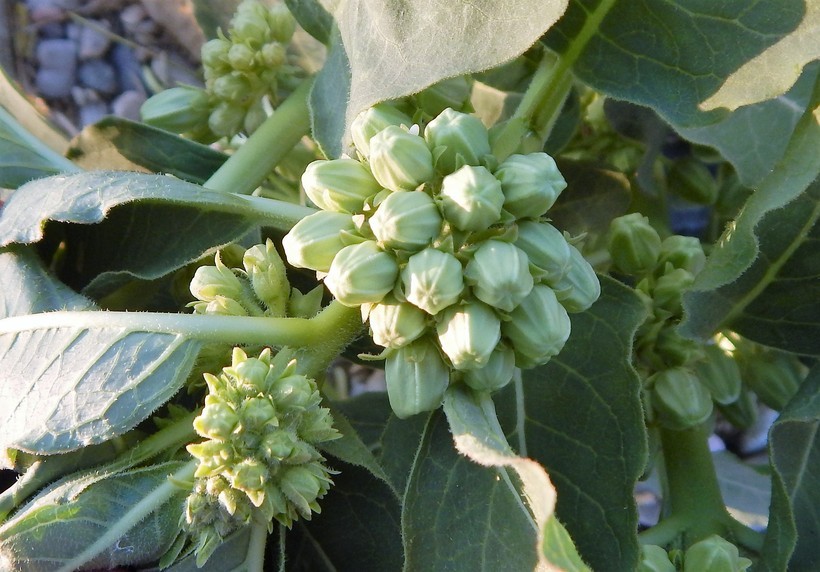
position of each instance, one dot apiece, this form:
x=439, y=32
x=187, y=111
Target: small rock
x=128, y=104
x=129, y=71
x=93, y=41
x=58, y=68
x=132, y=15
x=84, y=95
x=99, y=76
x=92, y=112
x=49, y=10
x=73, y=31
x=51, y=31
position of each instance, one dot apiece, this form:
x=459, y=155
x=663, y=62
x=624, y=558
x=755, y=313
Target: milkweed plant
x=576, y=241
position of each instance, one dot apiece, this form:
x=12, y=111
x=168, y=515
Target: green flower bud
x=233, y=87
x=303, y=485
x=214, y=53
x=679, y=400
x=499, y=275
x=178, y=109
x=684, y=252
x=654, y=559
x=453, y=92
x=633, y=244
x=538, y=328
x=471, y=198
x=468, y=334
x=714, y=554
x=267, y=275
x=281, y=23
x=396, y=324
x=741, y=413
x=546, y=248
x=578, y=289
x=399, y=160
x=433, y=280
x=341, y=185
x=457, y=139
x=256, y=412
x=220, y=306
x=531, y=183
x=226, y=119
x=294, y=392
x=690, y=179
x=669, y=289
x=417, y=378
x=314, y=241
x=273, y=55
x=407, y=221
x=219, y=280
x=241, y=57
x=496, y=374
x=675, y=350
x=217, y=421
x=372, y=121
x=361, y=273
x=213, y=457
x=277, y=446
x=773, y=375
x=249, y=23
x=250, y=476
x=720, y=374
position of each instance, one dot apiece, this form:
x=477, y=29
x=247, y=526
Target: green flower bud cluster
x=773, y=375
x=714, y=554
x=262, y=423
x=446, y=250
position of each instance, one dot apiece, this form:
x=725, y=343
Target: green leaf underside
x=58, y=526
x=761, y=278
x=231, y=556
x=397, y=48
x=580, y=416
x=794, y=447
x=112, y=139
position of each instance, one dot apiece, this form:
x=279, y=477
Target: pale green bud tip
x=396, y=324
x=457, y=139
x=433, y=280
x=496, y=374
x=538, y=328
x=720, y=374
x=579, y=288
x=531, y=184
x=633, y=244
x=714, y=554
x=468, y=334
x=417, y=378
x=679, y=399
x=546, y=248
x=684, y=252
x=399, y=160
x=341, y=185
x=314, y=241
x=214, y=53
x=217, y=421
x=655, y=559
x=669, y=289
x=406, y=220
x=241, y=57
x=233, y=87
x=499, y=275
x=178, y=109
x=268, y=277
x=361, y=273
x=471, y=198
x=281, y=22
x=209, y=282
x=373, y=120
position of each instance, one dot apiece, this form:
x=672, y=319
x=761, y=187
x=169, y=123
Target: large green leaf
x=580, y=416
x=233, y=555
x=761, y=278
x=392, y=49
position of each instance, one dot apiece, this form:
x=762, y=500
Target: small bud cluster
x=446, y=250
x=262, y=423
x=711, y=554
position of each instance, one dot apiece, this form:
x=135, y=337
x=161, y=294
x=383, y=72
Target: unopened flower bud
x=773, y=375
x=457, y=139
x=417, y=378
x=578, y=289
x=406, y=220
x=546, y=248
x=654, y=559
x=499, y=274
x=219, y=280
x=684, y=252
x=220, y=306
x=249, y=23
x=670, y=287
x=314, y=241
x=399, y=160
x=471, y=198
x=178, y=109
x=341, y=185
x=531, y=184
x=714, y=554
x=679, y=400
x=372, y=121
x=396, y=324
x=433, y=280
x=214, y=53
x=250, y=477
x=294, y=392
x=217, y=421
x=690, y=179
x=361, y=273
x=496, y=374
x=241, y=57
x=255, y=412
x=720, y=374
x=267, y=275
x=633, y=244
x=452, y=92
x=226, y=119
x=233, y=87
x=281, y=23
x=273, y=55
x=303, y=485
x=468, y=334
x=538, y=328
x=676, y=350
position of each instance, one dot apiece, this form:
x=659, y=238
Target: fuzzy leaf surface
x=580, y=416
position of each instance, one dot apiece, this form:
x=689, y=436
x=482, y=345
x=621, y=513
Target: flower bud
x=219, y=280
x=314, y=241
x=396, y=324
x=217, y=421
x=546, y=249
x=496, y=374
x=471, y=198
x=679, y=400
x=714, y=554
x=226, y=119
x=233, y=87
x=720, y=374
x=273, y=55
x=249, y=23
x=341, y=185
x=468, y=334
x=241, y=57
x=220, y=306
x=416, y=377
x=531, y=183
x=690, y=179
x=654, y=559
x=452, y=92
x=773, y=375
x=742, y=413
x=457, y=139
x=499, y=275
x=674, y=350
x=578, y=289
x=294, y=392
x=281, y=23
x=372, y=121
x=399, y=160
x=669, y=289
x=269, y=280
x=633, y=244
x=178, y=109
x=361, y=273
x=250, y=477
x=214, y=53
x=303, y=485
x=255, y=412
x=408, y=221
x=433, y=280
x=538, y=328
x=684, y=252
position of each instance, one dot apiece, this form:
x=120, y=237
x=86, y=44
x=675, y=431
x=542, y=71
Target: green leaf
x=116, y=141
x=745, y=491
x=398, y=48
x=213, y=15
x=761, y=279
x=96, y=521
x=231, y=556
x=794, y=449
x=558, y=547
x=313, y=17
x=580, y=416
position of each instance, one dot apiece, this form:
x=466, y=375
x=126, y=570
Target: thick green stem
x=336, y=327
x=255, y=159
